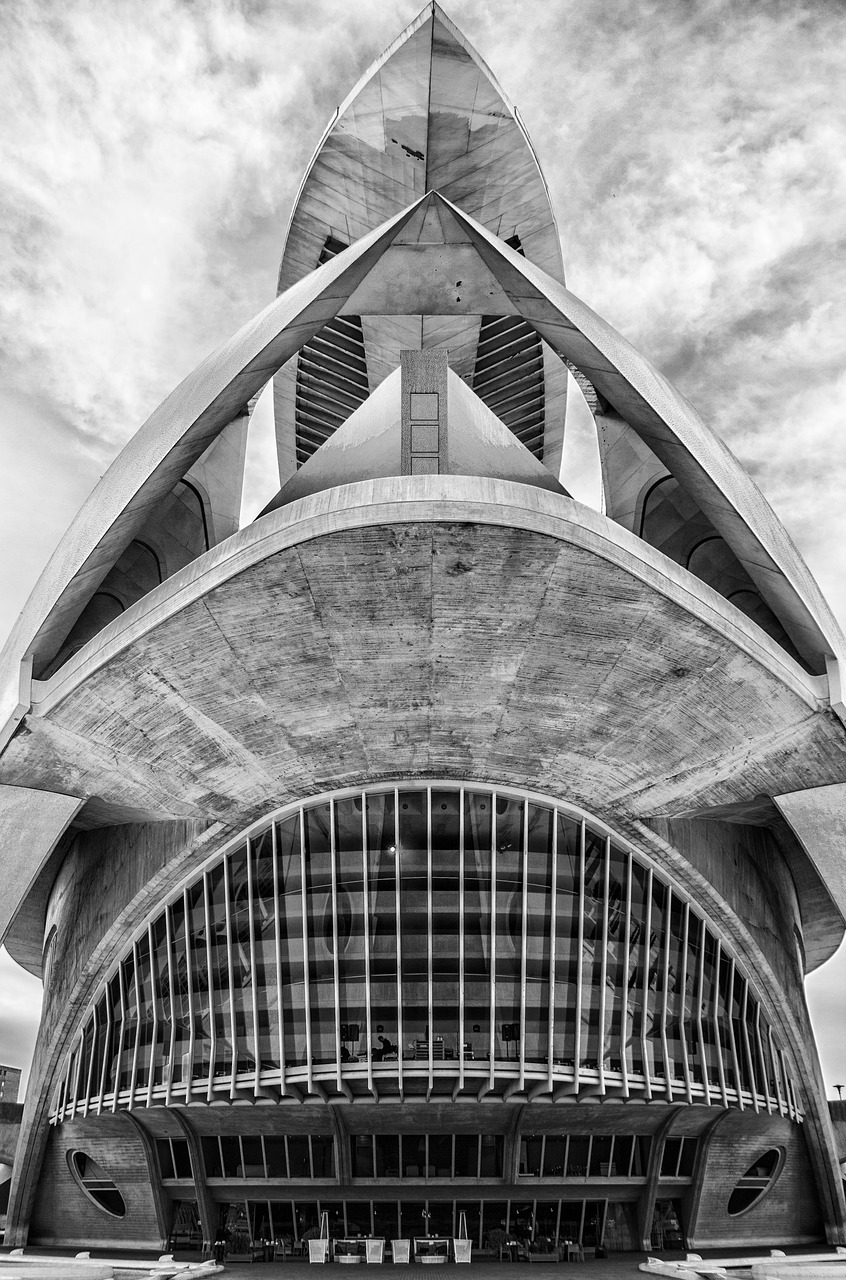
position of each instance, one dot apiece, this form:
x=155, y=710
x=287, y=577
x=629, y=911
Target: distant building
x=10, y=1084
x=434, y=846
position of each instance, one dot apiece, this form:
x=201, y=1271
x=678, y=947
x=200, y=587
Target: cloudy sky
x=150, y=153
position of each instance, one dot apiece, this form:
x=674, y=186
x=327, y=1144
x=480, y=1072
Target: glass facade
x=585, y=1155
x=529, y=1222
x=421, y=941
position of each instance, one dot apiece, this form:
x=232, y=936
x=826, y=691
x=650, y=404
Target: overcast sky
x=150, y=151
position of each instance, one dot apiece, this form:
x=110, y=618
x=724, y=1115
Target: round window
x=756, y=1181
x=96, y=1184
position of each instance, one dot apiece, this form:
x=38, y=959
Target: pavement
x=620, y=1266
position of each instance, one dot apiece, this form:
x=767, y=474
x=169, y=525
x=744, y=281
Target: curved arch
x=156, y=557
x=193, y=488
x=643, y=503
x=509, y=844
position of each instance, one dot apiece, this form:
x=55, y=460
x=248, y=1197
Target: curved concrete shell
x=567, y=782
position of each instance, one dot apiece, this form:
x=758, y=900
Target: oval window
x=756, y=1181
x=96, y=1183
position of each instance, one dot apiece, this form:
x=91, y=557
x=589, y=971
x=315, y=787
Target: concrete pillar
x=205, y=1204
x=646, y=1204
x=424, y=412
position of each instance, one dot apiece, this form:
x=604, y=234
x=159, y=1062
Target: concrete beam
x=817, y=817
x=31, y=824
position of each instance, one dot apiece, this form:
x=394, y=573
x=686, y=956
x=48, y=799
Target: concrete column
x=646, y=1204
x=205, y=1204
x=160, y=1200
x=694, y=1195
x=424, y=412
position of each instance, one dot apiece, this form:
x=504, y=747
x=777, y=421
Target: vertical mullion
x=77, y=1063
x=233, y=1031
x=492, y=1063
x=170, y=989
x=137, y=984
x=668, y=1066
x=251, y=937
x=624, y=1005
x=744, y=1029
x=766, y=1080
x=715, y=1013
x=699, y=1000
x=681, y=1002
x=788, y=1086
x=397, y=888
x=647, y=952
x=524, y=933
x=603, y=971
x=189, y=978
x=207, y=915
x=776, y=1070
x=429, y=926
x=277, y=946
x=336, y=963
x=577, y=1057
x=738, y=1079
x=553, y=902
x=106, y=1043
x=154, y=998
x=90, y=1073
x=365, y=884
x=461, y=989
x=306, y=982
x=69, y=1071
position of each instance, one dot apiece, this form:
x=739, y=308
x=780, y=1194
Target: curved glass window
x=427, y=940
x=96, y=1184
x=756, y=1181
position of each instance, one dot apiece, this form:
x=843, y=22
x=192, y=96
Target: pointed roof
x=426, y=115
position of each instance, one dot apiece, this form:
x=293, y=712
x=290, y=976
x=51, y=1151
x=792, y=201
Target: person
x=387, y=1048
x=219, y=1248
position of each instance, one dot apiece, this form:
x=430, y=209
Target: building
x=435, y=844
x=10, y=1083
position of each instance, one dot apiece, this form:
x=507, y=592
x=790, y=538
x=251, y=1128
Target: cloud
x=20, y=1008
